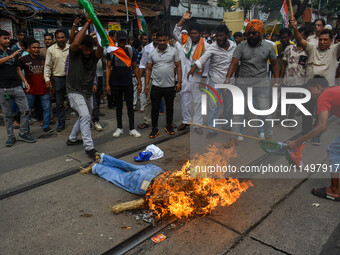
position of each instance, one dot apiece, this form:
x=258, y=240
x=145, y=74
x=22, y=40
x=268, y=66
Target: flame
x=182, y=195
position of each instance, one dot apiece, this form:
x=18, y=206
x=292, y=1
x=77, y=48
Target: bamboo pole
x=270, y=37
x=131, y=205
x=225, y=131
x=291, y=9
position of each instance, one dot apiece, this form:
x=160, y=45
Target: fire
x=181, y=194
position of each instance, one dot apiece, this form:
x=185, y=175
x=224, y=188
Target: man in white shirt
x=192, y=47
x=220, y=54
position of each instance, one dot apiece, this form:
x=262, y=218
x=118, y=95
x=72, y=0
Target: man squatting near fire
x=132, y=178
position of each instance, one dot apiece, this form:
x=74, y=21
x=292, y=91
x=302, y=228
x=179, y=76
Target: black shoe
x=154, y=133
x=27, y=138
x=211, y=134
x=92, y=154
x=169, y=130
x=77, y=142
x=60, y=128
x=10, y=142
x=48, y=130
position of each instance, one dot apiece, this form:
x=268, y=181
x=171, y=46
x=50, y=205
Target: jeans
x=156, y=95
x=60, y=92
x=334, y=155
x=261, y=98
x=45, y=103
x=213, y=109
x=96, y=100
x=132, y=178
x=83, y=106
x=16, y=94
x=118, y=93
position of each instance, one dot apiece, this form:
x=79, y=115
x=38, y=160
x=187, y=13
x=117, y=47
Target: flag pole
x=291, y=9
x=127, y=11
x=270, y=37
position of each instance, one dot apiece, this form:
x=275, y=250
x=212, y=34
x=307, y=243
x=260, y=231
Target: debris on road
x=316, y=204
x=126, y=227
x=86, y=215
x=158, y=238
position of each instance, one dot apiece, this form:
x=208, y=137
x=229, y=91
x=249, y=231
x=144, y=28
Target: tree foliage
x=226, y=4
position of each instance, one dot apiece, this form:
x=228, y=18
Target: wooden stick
x=225, y=131
x=270, y=37
x=134, y=204
x=291, y=9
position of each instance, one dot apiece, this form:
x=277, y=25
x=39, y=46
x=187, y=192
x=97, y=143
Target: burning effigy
x=182, y=193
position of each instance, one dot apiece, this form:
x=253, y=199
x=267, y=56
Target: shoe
x=60, y=128
x=92, y=154
x=10, y=142
x=143, y=156
x=211, y=135
x=182, y=127
x=101, y=114
x=118, y=132
x=135, y=133
x=48, y=130
x=316, y=141
x=77, y=142
x=231, y=143
x=261, y=135
x=143, y=125
x=27, y=138
x=98, y=127
x=169, y=130
x=240, y=138
x=174, y=125
x=198, y=131
x=154, y=133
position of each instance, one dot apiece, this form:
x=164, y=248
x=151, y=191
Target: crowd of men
x=79, y=71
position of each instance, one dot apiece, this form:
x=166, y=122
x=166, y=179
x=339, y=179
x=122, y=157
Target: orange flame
x=182, y=195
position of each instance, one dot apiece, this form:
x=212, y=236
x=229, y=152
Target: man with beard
x=253, y=54
x=55, y=67
x=161, y=65
x=48, y=41
x=193, y=48
x=220, y=54
x=79, y=83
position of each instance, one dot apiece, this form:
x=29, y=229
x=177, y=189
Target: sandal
x=321, y=192
x=143, y=125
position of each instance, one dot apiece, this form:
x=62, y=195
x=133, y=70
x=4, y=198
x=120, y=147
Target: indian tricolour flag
x=143, y=27
x=245, y=23
x=283, y=18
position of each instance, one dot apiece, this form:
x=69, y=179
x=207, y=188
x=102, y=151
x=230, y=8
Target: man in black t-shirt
x=10, y=89
x=79, y=86
x=119, y=83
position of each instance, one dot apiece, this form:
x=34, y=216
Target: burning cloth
x=132, y=178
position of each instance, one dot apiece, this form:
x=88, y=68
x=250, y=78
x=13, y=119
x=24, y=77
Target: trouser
x=261, y=98
x=60, y=92
x=83, y=106
x=188, y=95
x=45, y=104
x=118, y=92
x=142, y=96
x=132, y=178
x=17, y=94
x=96, y=100
x=334, y=155
x=147, y=107
x=213, y=104
x=156, y=95
x=38, y=109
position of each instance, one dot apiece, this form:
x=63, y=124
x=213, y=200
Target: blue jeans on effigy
x=334, y=155
x=261, y=99
x=213, y=108
x=132, y=178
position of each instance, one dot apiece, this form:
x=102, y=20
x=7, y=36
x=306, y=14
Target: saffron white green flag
x=283, y=18
x=143, y=27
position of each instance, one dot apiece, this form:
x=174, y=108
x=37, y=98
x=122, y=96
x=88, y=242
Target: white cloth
x=157, y=153
x=146, y=51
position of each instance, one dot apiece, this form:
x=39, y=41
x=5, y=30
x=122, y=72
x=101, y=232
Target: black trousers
x=118, y=92
x=96, y=100
x=156, y=95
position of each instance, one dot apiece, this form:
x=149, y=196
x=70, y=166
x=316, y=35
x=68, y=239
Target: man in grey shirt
x=254, y=54
x=162, y=62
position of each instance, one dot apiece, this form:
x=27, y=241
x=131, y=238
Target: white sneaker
x=98, y=127
x=261, y=135
x=135, y=133
x=240, y=138
x=118, y=132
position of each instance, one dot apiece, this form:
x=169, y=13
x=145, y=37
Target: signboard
x=38, y=34
x=114, y=26
x=6, y=24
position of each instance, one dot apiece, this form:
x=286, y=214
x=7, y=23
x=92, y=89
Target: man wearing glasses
x=319, y=25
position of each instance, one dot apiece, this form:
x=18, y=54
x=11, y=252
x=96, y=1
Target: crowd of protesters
x=78, y=71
